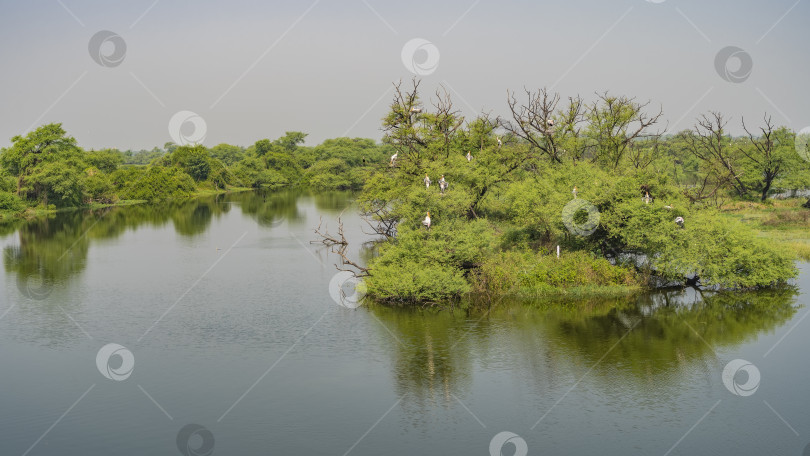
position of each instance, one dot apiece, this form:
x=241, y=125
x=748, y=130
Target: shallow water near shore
x=224, y=305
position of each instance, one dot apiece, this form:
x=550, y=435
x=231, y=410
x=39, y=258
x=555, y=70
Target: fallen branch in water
x=337, y=245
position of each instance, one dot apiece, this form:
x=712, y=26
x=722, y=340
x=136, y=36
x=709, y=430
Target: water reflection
x=53, y=250
x=644, y=343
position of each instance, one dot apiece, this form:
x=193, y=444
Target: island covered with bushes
x=562, y=197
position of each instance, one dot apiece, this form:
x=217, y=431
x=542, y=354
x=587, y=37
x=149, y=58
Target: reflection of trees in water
x=49, y=250
x=52, y=250
x=433, y=353
x=270, y=208
x=332, y=202
x=645, y=341
x=670, y=329
x=41, y=264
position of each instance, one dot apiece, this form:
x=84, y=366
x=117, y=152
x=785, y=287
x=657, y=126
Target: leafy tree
x=46, y=144
x=159, y=183
x=193, y=160
x=106, y=160
x=10, y=202
x=57, y=184
x=227, y=153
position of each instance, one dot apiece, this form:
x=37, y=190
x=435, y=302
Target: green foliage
x=227, y=153
x=333, y=173
x=57, y=184
x=10, y=202
x=106, y=161
x=98, y=188
x=193, y=160
x=528, y=274
x=723, y=253
x=158, y=183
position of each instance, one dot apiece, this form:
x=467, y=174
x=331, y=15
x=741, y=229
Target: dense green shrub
x=159, y=183
x=10, y=202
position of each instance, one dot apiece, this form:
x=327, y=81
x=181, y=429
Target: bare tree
x=378, y=215
x=338, y=245
x=616, y=122
x=411, y=130
x=709, y=143
x=764, y=154
x=445, y=122
x=534, y=121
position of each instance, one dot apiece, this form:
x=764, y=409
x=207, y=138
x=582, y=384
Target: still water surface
x=225, y=307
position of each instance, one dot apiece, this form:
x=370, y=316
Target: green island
x=562, y=198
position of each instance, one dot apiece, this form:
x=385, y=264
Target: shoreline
x=30, y=213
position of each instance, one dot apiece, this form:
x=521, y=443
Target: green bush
x=159, y=183
x=10, y=202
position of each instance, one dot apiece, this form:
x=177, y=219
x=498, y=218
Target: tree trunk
x=765, y=190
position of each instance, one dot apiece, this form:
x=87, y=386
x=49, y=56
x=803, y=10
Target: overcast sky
x=254, y=69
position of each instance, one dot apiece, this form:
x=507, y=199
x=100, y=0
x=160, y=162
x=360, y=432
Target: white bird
x=442, y=184
x=499, y=142
x=416, y=110
x=394, y=158
x=574, y=192
x=667, y=207
x=427, y=181
x=426, y=221
x=550, y=122
x=647, y=198
x=679, y=221
x=469, y=156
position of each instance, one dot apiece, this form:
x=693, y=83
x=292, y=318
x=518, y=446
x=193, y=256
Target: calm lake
x=230, y=343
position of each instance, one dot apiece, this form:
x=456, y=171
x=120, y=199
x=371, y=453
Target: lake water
x=230, y=343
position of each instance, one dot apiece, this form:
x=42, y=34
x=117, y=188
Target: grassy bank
x=784, y=222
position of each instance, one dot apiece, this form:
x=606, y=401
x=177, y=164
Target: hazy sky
x=255, y=69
